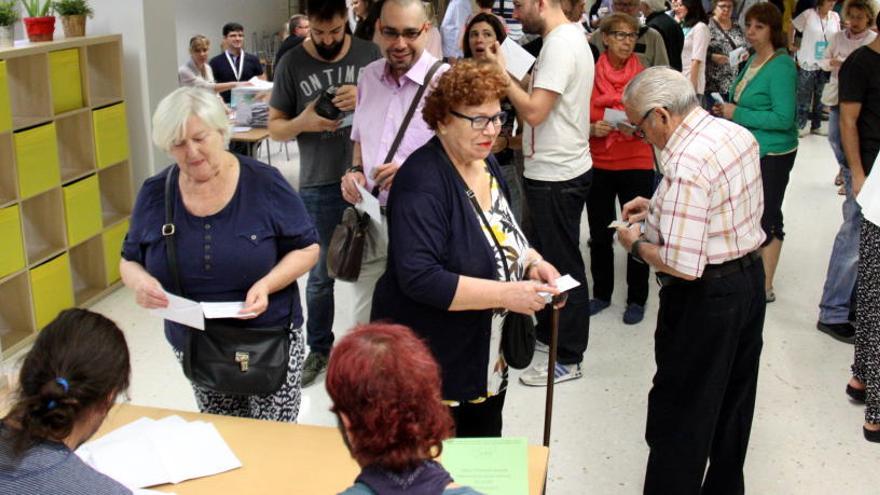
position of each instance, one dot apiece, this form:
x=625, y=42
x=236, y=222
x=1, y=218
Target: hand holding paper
x=369, y=204
x=518, y=60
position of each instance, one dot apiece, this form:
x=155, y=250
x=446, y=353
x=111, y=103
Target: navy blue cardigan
x=433, y=237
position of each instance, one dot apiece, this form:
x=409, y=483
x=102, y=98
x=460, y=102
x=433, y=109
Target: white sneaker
x=542, y=347
x=536, y=376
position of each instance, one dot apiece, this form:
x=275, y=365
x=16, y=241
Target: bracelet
x=634, y=250
x=355, y=168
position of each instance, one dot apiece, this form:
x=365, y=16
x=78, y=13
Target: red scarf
x=608, y=92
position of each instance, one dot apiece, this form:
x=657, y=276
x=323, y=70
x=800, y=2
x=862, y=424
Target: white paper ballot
x=260, y=84
x=737, y=56
x=563, y=284
x=347, y=121
x=148, y=452
x=182, y=310
x=614, y=116
x=224, y=309
x=618, y=223
x=519, y=61
x=369, y=204
x=241, y=128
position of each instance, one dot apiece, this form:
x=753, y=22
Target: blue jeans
x=325, y=205
x=555, y=209
x=834, y=135
x=840, y=281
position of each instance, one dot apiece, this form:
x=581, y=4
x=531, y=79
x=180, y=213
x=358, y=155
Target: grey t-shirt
x=300, y=78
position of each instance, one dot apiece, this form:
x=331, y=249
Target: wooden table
x=280, y=457
x=253, y=138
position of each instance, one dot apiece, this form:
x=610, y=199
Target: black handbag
x=518, y=334
x=225, y=358
x=345, y=252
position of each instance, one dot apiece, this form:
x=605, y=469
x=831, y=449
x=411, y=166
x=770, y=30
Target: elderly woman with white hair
x=240, y=233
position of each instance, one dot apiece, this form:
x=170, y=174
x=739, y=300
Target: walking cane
x=551, y=372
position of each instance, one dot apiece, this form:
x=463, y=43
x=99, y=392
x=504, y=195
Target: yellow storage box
x=82, y=210
x=113, y=238
x=5, y=102
x=37, y=153
x=111, y=135
x=52, y=289
x=66, y=79
x=11, y=245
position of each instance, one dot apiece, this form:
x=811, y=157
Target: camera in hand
x=325, y=107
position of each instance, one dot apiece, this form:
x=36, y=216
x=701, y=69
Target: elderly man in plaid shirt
x=702, y=230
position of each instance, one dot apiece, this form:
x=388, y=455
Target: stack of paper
x=148, y=452
x=494, y=466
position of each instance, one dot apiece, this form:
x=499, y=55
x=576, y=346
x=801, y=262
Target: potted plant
x=73, y=16
x=8, y=18
x=39, y=23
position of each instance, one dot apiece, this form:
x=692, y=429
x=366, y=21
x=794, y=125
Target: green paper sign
x=494, y=466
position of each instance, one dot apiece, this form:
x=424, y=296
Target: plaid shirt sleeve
x=683, y=222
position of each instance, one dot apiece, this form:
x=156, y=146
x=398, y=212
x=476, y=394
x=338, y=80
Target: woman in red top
x=623, y=166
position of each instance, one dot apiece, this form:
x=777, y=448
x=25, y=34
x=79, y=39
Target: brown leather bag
x=346, y=250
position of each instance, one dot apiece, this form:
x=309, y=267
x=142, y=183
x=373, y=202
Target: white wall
x=207, y=17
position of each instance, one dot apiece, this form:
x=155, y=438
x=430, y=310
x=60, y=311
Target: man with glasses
x=702, y=231
x=298, y=25
x=385, y=92
x=650, y=47
x=556, y=116
x=330, y=59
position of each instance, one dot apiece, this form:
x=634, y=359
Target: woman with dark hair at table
x=67, y=385
x=385, y=388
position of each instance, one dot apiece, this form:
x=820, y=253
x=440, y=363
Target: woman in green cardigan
x=764, y=102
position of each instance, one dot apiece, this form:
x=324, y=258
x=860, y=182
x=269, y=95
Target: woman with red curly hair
x=385, y=388
x=458, y=263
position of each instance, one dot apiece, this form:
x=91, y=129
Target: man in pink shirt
x=385, y=91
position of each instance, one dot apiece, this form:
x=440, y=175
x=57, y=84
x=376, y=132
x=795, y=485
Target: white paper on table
x=241, y=128
x=230, y=309
x=369, y=204
x=260, y=84
x=192, y=450
x=519, y=61
x=737, y=56
x=614, y=116
x=181, y=310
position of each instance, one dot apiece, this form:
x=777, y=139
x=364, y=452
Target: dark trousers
x=609, y=186
x=555, y=211
x=707, y=346
x=479, y=420
x=775, y=172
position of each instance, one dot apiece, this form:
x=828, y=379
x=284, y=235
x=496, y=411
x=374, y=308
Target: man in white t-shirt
x=556, y=116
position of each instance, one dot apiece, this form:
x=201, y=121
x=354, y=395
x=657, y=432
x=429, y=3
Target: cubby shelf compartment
x=51, y=289
x=87, y=269
x=16, y=320
x=116, y=192
x=8, y=180
x=82, y=210
x=111, y=135
x=29, y=93
x=36, y=156
x=67, y=80
x=44, y=229
x=112, y=238
x=75, y=151
x=105, y=73
x=12, y=256
x=5, y=105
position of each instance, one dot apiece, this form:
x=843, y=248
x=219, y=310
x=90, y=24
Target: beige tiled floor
x=806, y=438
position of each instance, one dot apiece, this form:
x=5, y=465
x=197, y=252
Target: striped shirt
x=707, y=210
x=50, y=468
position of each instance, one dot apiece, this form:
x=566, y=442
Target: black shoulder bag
x=225, y=358
x=346, y=249
x=518, y=332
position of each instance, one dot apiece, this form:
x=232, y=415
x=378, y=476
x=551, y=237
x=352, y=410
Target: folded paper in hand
x=369, y=204
x=192, y=314
x=151, y=452
x=519, y=61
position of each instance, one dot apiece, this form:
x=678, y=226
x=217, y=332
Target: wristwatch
x=355, y=168
x=634, y=250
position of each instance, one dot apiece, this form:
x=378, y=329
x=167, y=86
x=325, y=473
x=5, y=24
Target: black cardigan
x=433, y=237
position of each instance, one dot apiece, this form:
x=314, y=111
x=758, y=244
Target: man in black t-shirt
x=329, y=57
x=234, y=64
x=860, y=110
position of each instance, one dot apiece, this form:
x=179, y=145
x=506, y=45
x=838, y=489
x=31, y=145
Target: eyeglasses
x=624, y=35
x=392, y=34
x=481, y=122
x=639, y=132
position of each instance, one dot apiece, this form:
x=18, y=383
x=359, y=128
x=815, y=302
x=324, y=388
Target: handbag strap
x=168, y=231
x=412, y=110
x=473, y=199
x=725, y=33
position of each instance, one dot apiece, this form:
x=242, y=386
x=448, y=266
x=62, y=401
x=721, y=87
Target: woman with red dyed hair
x=385, y=388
